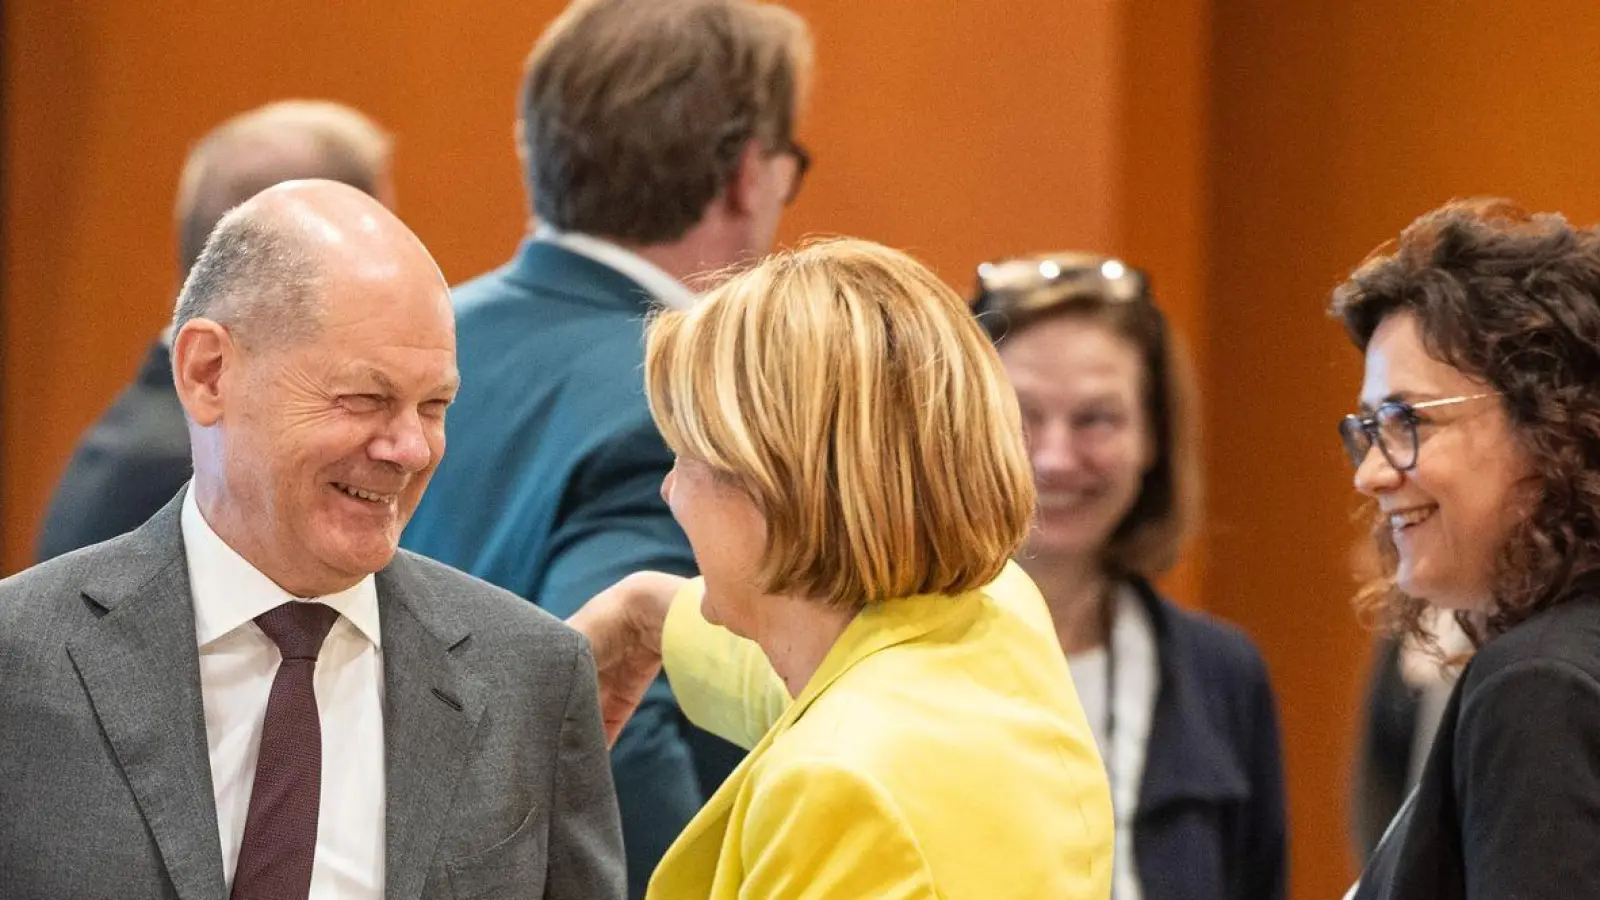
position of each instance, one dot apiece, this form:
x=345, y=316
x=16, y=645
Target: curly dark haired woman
x=1479, y=443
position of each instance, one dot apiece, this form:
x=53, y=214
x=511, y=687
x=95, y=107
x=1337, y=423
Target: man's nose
x=405, y=442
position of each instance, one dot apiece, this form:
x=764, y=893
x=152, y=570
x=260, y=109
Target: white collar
x=654, y=279
x=228, y=591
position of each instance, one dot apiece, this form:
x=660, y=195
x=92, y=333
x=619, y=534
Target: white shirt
x=1138, y=677
x=237, y=665
x=654, y=279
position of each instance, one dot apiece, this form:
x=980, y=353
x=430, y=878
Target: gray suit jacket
x=499, y=783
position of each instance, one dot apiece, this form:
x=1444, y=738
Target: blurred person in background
x=1180, y=703
x=1407, y=690
x=852, y=476
x=1478, y=443
x=658, y=142
x=135, y=457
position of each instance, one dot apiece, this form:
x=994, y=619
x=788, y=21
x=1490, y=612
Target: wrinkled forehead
x=328, y=365
x=388, y=300
x=382, y=325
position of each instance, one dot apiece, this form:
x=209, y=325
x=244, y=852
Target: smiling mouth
x=1064, y=499
x=1403, y=519
x=369, y=496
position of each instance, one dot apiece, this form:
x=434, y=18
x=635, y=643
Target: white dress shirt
x=1136, y=681
x=237, y=665
x=654, y=279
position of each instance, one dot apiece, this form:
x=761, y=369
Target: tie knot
x=298, y=627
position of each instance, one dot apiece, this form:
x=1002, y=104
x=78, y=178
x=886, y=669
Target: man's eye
x=362, y=403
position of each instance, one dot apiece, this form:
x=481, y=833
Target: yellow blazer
x=938, y=751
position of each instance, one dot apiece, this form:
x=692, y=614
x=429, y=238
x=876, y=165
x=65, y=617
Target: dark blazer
x=1509, y=798
x=127, y=465
x=550, y=485
x=497, y=784
x=1211, y=822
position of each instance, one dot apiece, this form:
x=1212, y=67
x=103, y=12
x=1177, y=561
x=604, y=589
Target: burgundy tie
x=280, y=830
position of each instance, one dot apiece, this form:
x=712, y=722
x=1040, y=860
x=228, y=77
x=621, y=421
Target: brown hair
x=1510, y=299
x=1147, y=540
x=634, y=113
x=850, y=393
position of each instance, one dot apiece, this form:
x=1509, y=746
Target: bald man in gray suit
x=256, y=695
x=135, y=457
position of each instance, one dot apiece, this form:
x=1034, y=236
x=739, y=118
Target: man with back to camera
x=657, y=138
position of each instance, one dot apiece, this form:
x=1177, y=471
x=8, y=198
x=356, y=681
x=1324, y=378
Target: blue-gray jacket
x=550, y=486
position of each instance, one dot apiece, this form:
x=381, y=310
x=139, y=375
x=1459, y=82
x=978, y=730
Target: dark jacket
x=550, y=488
x=1210, y=823
x=1509, y=798
x=126, y=467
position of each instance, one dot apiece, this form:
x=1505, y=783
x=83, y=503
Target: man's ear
x=203, y=355
x=519, y=137
x=749, y=178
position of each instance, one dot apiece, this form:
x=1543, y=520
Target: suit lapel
x=140, y=666
x=432, y=705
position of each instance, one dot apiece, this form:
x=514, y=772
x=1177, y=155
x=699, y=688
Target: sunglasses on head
x=1019, y=284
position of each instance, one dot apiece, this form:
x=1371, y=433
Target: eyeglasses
x=1015, y=285
x=802, y=165
x=1392, y=427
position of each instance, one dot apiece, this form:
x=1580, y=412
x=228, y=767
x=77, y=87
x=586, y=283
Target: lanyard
x=1108, y=615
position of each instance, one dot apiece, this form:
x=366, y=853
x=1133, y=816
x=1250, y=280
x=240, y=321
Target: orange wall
x=1247, y=153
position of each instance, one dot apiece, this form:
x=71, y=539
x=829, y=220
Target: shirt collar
x=670, y=291
x=228, y=591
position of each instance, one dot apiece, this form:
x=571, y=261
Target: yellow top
x=938, y=751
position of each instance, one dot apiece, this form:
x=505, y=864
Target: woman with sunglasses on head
x=1478, y=444
x=1180, y=703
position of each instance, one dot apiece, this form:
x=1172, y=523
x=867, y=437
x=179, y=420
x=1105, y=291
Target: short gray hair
x=257, y=278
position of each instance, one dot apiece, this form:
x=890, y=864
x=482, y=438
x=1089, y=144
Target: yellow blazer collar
x=883, y=625
x=695, y=854
x=878, y=627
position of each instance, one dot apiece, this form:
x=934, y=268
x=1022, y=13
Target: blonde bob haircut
x=852, y=395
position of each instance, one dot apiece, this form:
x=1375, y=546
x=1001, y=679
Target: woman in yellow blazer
x=852, y=478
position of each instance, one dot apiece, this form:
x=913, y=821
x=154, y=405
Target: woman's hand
x=623, y=624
